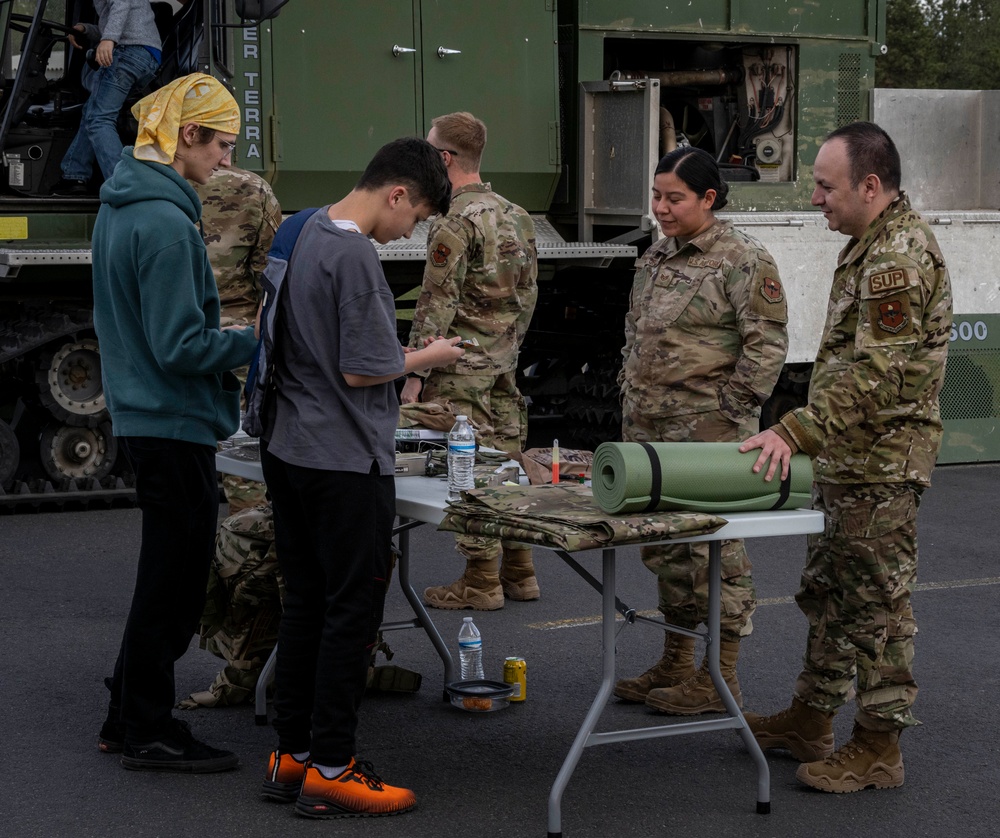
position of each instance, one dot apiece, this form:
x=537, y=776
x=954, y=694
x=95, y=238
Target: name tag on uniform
x=886, y=281
x=704, y=262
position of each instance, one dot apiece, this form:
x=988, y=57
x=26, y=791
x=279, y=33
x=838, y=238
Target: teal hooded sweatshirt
x=164, y=361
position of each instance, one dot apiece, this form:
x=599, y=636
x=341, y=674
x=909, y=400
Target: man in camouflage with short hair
x=873, y=429
x=240, y=216
x=479, y=282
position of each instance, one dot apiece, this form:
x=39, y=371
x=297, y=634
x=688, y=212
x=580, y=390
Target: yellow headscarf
x=195, y=98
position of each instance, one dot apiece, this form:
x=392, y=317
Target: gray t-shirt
x=336, y=315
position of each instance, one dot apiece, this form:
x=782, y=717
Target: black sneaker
x=71, y=189
x=111, y=739
x=177, y=750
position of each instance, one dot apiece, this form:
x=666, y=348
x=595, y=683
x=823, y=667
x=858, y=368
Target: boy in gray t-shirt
x=340, y=316
x=327, y=451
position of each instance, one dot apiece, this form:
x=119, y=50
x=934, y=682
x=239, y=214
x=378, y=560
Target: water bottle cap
x=467, y=619
x=462, y=418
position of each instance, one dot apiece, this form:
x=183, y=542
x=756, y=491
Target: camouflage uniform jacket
x=873, y=412
x=239, y=218
x=479, y=281
x=706, y=327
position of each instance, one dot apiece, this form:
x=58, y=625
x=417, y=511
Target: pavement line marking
x=575, y=622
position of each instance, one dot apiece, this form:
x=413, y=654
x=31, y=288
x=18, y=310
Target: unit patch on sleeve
x=767, y=300
x=890, y=316
x=772, y=290
x=440, y=255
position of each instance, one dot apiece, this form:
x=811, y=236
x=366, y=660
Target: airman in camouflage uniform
x=873, y=429
x=479, y=282
x=705, y=341
x=243, y=607
x=239, y=218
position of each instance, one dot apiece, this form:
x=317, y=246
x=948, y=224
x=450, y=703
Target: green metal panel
x=651, y=15
x=506, y=75
x=829, y=18
x=833, y=18
x=970, y=398
x=69, y=229
x=337, y=80
x=339, y=92
x=590, y=56
x=253, y=87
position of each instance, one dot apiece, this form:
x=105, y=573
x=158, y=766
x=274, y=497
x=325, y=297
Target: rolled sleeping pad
x=630, y=477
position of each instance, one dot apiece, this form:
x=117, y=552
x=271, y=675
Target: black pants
x=332, y=535
x=176, y=486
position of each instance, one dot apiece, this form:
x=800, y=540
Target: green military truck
x=580, y=99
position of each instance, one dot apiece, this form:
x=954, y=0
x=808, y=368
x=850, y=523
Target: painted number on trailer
x=967, y=331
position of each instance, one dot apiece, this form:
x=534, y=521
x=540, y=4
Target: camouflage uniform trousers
x=682, y=569
x=242, y=608
x=855, y=593
x=497, y=409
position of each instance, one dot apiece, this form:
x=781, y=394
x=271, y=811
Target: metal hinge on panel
x=555, y=144
x=277, y=153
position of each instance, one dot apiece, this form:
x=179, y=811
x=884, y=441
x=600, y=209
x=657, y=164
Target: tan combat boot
x=870, y=759
x=697, y=694
x=517, y=574
x=478, y=588
x=806, y=732
x=676, y=665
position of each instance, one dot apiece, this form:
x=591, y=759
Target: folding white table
x=416, y=504
x=739, y=525
x=422, y=500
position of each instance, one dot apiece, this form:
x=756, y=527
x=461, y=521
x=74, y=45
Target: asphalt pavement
x=66, y=582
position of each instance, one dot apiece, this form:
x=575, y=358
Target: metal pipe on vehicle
x=682, y=78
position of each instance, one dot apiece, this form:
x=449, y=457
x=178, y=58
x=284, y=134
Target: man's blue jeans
x=132, y=67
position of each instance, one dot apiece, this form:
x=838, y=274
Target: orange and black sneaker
x=357, y=792
x=284, y=777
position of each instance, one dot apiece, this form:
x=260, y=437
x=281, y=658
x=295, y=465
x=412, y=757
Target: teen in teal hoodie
x=165, y=364
x=164, y=360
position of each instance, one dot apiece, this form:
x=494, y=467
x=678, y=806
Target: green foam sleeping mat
x=631, y=477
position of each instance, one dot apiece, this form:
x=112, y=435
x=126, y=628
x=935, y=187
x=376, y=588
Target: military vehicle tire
x=69, y=451
x=69, y=382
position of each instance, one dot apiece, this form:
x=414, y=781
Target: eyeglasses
x=230, y=148
x=452, y=152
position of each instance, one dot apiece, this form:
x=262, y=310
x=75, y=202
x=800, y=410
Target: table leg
x=260, y=693
x=420, y=614
x=419, y=610
x=715, y=670
x=600, y=700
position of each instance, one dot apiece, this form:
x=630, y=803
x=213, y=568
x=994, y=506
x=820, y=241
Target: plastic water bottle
x=461, y=458
x=470, y=651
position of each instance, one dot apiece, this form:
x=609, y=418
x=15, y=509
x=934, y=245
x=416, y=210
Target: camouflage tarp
x=565, y=516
